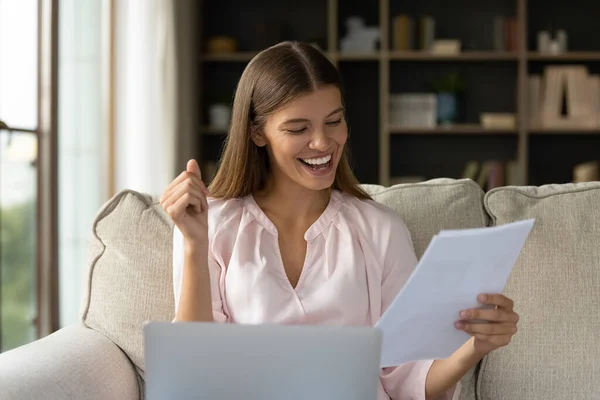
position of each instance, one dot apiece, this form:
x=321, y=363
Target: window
x=27, y=261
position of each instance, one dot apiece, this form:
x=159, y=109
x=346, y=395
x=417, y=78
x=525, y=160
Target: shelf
x=357, y=56
x=246, y=56
x=459, y=129
x=570, y=56
x=481, y=56
x=228, y=57
x=564, y=131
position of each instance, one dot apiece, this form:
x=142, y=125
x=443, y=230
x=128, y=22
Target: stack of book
x=491, y=174
x=405, y=36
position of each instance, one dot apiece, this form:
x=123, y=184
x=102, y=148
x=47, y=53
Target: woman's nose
x=320, y=141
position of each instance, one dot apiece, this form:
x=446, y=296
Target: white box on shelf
x=415, y=110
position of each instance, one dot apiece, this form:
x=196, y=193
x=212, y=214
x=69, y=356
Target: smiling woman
x=286, y=235
x=289, y=109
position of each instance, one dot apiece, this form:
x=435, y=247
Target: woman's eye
x=334, y=123
x=296, y=131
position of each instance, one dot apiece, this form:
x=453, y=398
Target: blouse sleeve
x=406, y=381
x=215, y=272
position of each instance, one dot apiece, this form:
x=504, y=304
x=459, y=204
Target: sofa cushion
x=555, y=286
x=130, y=274
x=427, y=207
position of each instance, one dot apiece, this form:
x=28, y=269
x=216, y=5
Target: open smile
x=318, y=165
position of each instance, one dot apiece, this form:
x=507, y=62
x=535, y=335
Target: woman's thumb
x=192, y=167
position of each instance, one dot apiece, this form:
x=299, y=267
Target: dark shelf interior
x=471, y=22
x=362, y=113
x=428, y=155
x=578, y=18
x=489, y=87
x=552, y=157
x=262, y=23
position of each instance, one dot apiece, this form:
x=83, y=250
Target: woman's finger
x=180, y=178
x=186, y=189
x=498, y=300
x=192, y=185
x=493, y=315
x=178, y=209
x=488, y=329
x=206, y=191
x=185, y=178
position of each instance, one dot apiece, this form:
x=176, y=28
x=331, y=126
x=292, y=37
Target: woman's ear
x=257, y=137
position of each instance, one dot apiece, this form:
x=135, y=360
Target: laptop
x=268, y=362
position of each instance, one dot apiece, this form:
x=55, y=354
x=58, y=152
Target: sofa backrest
x=130, y=272
x=556, y=288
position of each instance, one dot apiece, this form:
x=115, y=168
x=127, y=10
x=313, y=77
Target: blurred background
x=98, y=96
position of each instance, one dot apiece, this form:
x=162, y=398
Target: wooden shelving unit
x=476, y=56
x=497, y=82
x=459, y=129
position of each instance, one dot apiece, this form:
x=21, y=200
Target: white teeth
x=317, y=161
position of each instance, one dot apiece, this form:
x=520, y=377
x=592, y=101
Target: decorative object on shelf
x=546, y=44
x=413, y=110
x=449, y=90
x=219, y=116
x=562, y=40
x=445, y=47
x=359, y=38
x=586, y=172
x=221, y=44
x=571, y=83
x=493, y=120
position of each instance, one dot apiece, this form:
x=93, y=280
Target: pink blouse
x=358, y=256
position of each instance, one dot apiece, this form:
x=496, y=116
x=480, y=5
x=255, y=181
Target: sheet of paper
x=456, y=267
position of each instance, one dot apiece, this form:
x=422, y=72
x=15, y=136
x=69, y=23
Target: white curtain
x=81, y=146
x=146, y=100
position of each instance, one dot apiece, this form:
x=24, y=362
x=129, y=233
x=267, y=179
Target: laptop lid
x=270, y=362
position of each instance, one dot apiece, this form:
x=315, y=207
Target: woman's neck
x=292, y=203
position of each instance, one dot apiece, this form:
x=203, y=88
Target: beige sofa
x=555, y=285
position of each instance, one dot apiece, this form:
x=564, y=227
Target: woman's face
x=305, y=139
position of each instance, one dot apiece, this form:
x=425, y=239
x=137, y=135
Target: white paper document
x=457, y=266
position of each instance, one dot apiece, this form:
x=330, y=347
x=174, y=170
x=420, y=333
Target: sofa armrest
x=73, y=363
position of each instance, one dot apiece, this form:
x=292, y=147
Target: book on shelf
x=491, y=174
x=409, y=35
x=506, y=33
x=565, y=96
x=403, y=33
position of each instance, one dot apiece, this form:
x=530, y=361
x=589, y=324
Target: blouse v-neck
x=312, y=232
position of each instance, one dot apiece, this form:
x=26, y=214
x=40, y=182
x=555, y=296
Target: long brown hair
x=273, y=78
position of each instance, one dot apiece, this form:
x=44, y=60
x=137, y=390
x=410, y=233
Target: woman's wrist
x=195, y=249
x=467, y=355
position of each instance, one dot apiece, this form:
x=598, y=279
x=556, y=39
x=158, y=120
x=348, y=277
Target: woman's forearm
x=444, y=374
x=195, y=299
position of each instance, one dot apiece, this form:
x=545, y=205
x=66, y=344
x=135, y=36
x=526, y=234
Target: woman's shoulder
x=375, y=214
x=223, y=211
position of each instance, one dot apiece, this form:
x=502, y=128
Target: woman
x=286, y=235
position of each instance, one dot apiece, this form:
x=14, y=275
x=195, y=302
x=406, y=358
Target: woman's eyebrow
x=296, y=120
